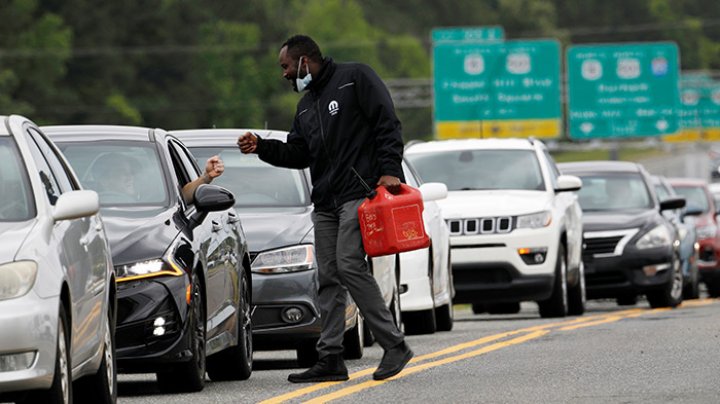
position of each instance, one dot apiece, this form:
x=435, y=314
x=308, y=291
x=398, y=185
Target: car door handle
x=232, y=218
x=216, y=226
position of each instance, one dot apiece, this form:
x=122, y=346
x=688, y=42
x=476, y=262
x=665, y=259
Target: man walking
x=345, y=127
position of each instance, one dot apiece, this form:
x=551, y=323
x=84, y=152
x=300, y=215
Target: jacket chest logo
x=333, y=107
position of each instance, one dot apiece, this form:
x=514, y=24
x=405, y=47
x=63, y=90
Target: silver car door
x=71, y=239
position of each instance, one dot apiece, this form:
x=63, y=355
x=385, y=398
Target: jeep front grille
x=483, y=225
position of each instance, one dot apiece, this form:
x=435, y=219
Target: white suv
x=515, y=227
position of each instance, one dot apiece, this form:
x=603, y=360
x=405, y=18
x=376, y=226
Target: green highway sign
x=468, y=34
x=500, y=89
x=623, y=90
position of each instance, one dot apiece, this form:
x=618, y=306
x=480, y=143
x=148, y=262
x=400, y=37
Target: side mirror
x=76, y=204
x=208, y=198
x=672, y=203
x=567, y=183
x=693, y=211
x=433, y=191
x=212, y=198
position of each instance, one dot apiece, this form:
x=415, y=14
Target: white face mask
x=302, y=83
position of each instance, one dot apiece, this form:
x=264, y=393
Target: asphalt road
x=610, y=355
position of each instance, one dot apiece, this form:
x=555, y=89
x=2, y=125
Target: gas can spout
x=371, y=193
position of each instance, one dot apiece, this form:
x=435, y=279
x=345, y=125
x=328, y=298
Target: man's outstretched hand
x=392, y=184
x=247, y=142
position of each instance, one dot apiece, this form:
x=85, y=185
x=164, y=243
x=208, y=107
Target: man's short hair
x=303, y=45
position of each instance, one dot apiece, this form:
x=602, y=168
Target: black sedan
x=183, y=270
x=629, y=247
x=275, y=207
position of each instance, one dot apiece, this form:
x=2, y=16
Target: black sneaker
x=330, y=368
x=393, y=361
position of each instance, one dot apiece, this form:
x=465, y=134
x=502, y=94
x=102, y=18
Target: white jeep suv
x=515, y=226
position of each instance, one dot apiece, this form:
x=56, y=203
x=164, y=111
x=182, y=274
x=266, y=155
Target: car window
x=62, y=175
x=554, y=172
x=695, y=196
x=123, y=173
x=16, y=200
x=662, y=192
x=191, y=166
x=480, y=169
x=254, y=182
x=47, y=178
x=607, y=192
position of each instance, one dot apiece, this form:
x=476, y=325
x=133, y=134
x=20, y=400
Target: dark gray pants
x=341, y=264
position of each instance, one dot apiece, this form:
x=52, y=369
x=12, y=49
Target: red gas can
x=393, y=223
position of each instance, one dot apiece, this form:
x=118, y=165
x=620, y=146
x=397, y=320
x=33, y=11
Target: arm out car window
x=52, y=189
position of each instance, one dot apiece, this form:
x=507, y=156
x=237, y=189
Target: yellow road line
x=408, y=371
x=490, y=338
x=567, y=325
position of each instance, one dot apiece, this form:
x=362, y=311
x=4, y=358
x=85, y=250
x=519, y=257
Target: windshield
x=608, y=192
x=16, y=200
x=123, y=173
x=695, y=196
x=463, y=170
x=254, y=182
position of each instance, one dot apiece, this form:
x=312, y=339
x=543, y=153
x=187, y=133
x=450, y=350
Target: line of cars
x=131, y=275
x=523, y=228
x=148, y=280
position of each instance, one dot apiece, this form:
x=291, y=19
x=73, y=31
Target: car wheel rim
x=109, y=363
x=62, y=359
x=563, y=280
x=676, y=290
x=247, y=323
x=199, y=330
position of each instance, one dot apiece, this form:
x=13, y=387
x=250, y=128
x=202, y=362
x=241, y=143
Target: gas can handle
x=370, y=192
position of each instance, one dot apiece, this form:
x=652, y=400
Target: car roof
x=600, y=166
x=677, y=181
x=222, y=137
x=471, y=144
x=76, y=133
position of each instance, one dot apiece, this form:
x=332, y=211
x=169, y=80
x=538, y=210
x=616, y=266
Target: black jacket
x=346, y=120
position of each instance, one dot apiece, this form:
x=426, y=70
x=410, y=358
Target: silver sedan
x=57, y=288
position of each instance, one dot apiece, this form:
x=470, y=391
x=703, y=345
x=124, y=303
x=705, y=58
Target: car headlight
x=147, y=269
x=17, y=278
x=657, y=237
x=289, y=259
x=535, y=220
x=708, y=231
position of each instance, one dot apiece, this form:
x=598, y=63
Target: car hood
x=275, y=228
x=13, y=235
x=493, y=203
x=138, y=234
x=600, y=221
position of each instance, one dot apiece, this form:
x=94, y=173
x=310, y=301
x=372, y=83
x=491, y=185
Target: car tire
x=479, y=308
x=557, y=304
x=503, y=308
x=671, y=293
x=444, y=317
x=577, y=297
x=692, y=289
x=713, y=288
x=101, y=387
x=235, y=362
x=307, y=354
x=354, y=340
x=419, y=322
x=61, y=390
x=190, y=376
